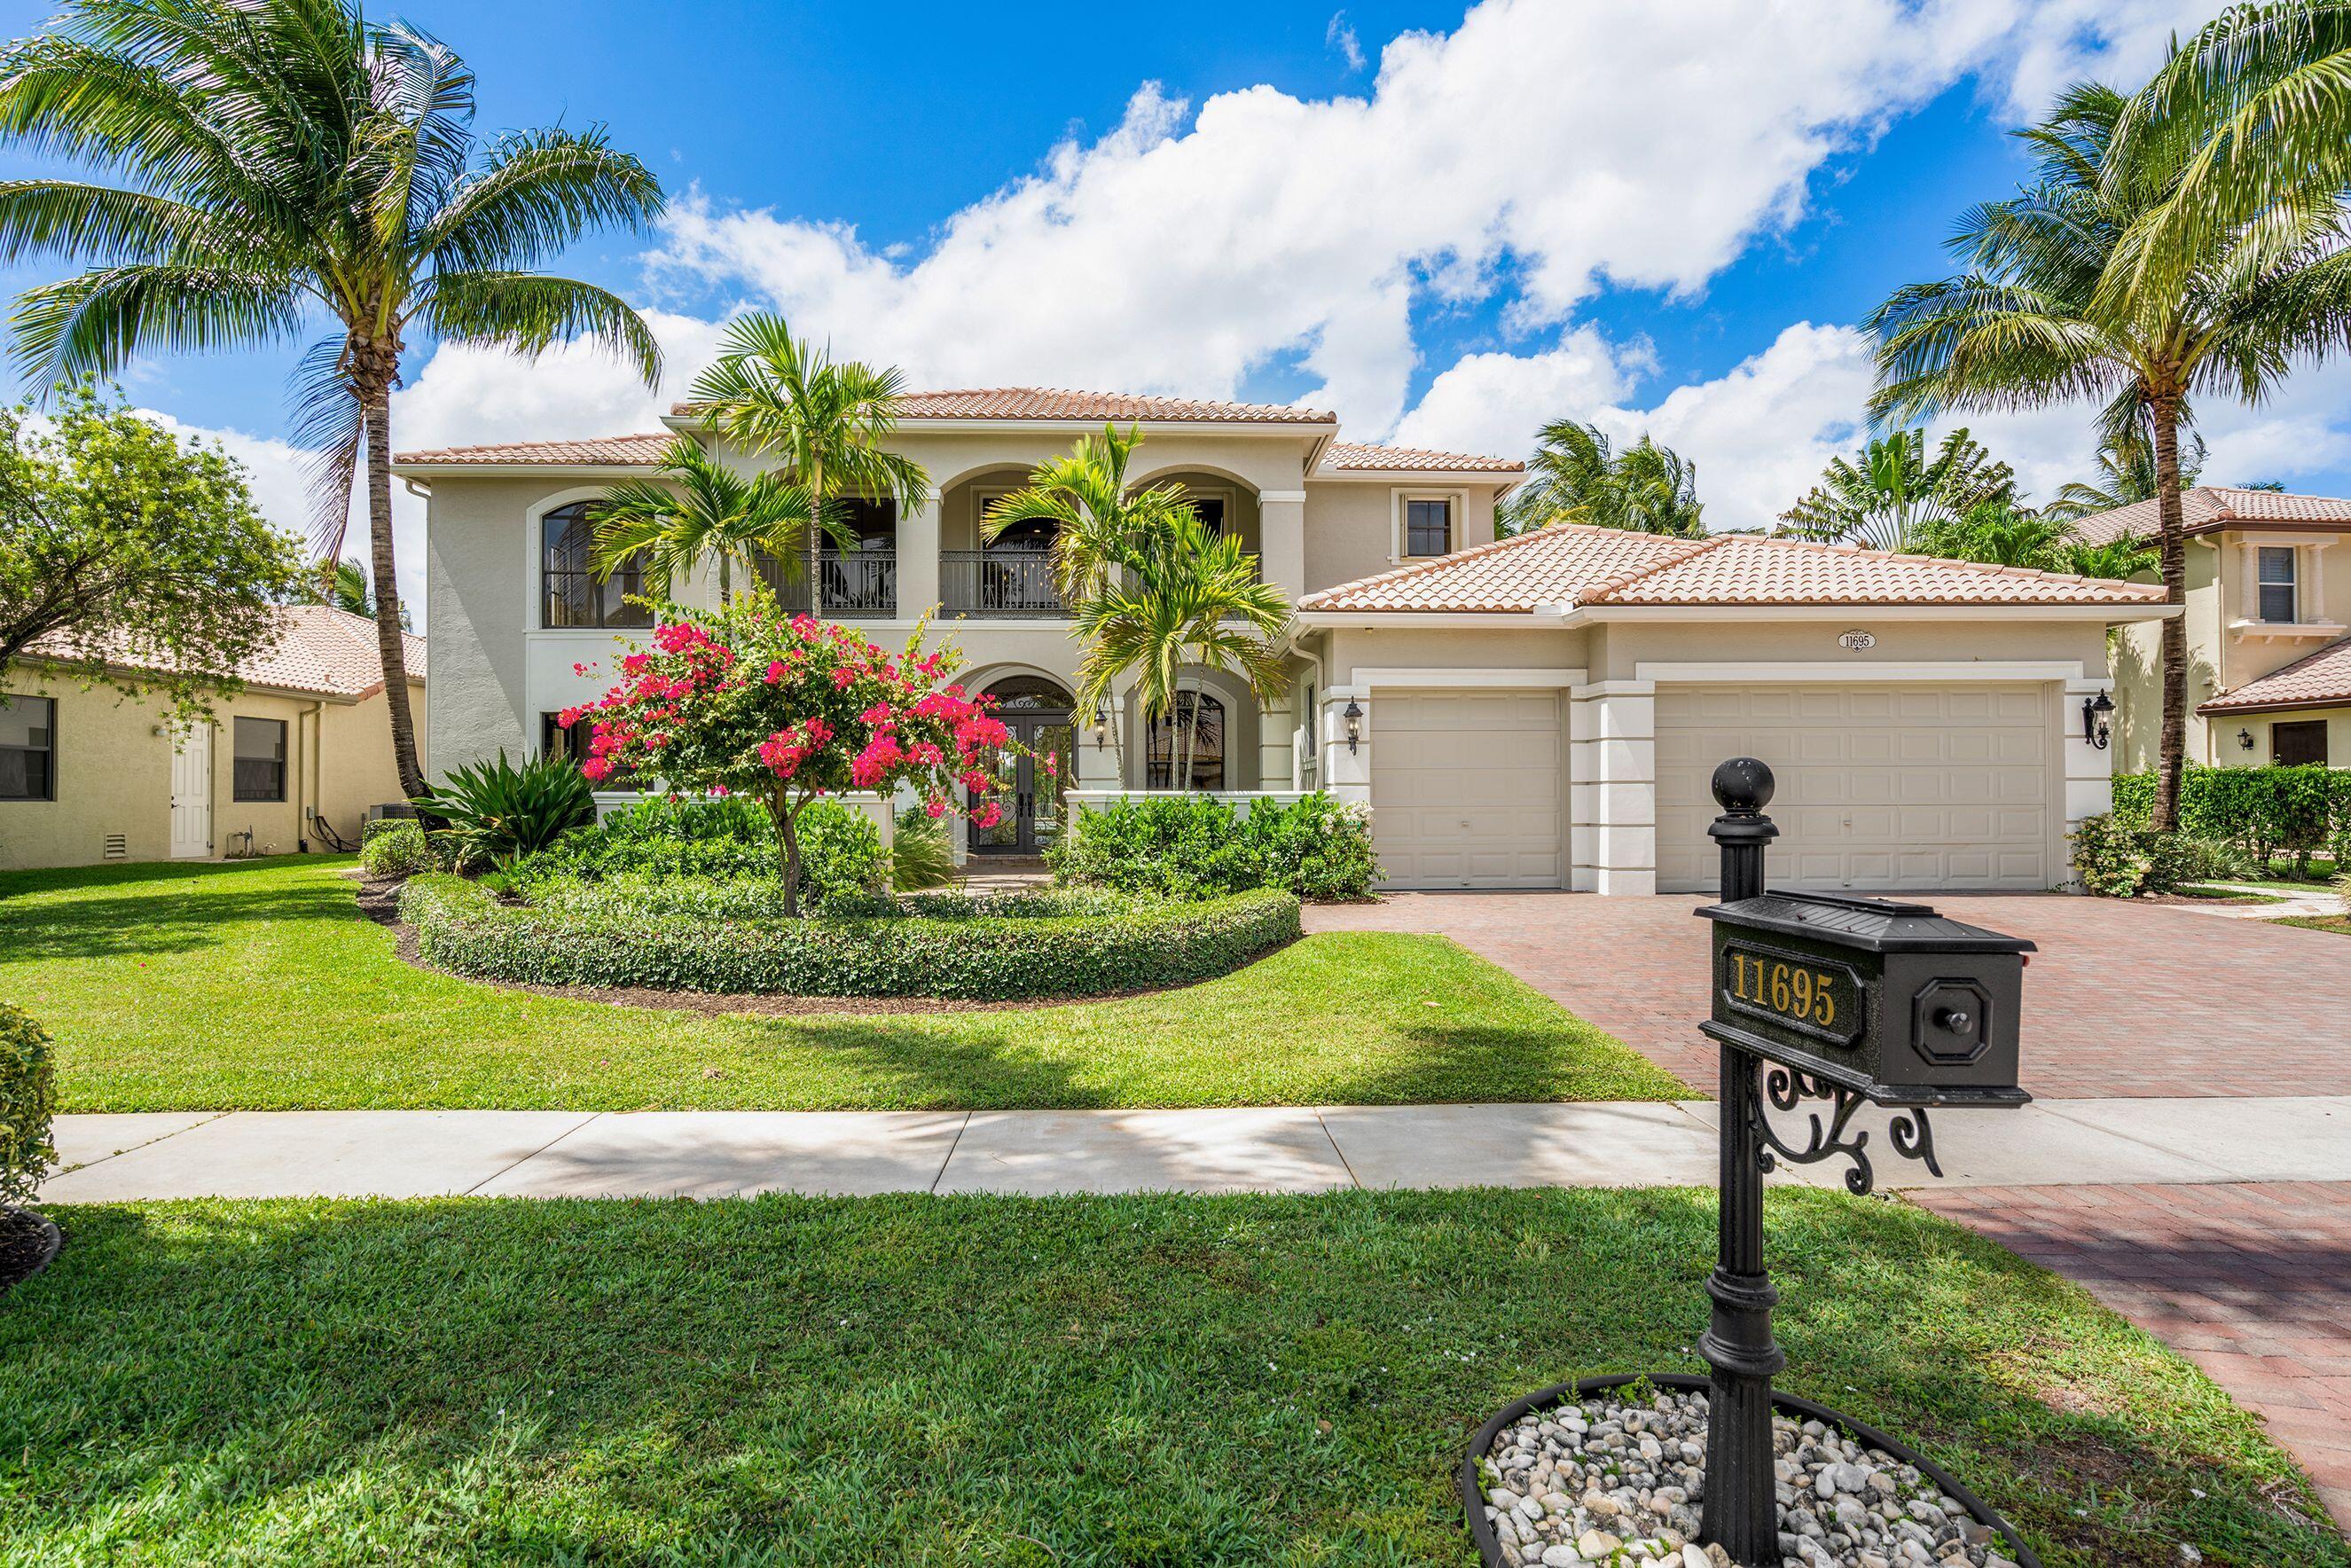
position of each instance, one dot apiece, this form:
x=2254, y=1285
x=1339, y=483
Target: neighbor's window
x=28, y=748
x=260, y=770
x=1427, y=526
x=573, y=596
x=2276, y=569
x=2299, y=744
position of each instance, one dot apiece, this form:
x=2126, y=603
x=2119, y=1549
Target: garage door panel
x=1879, y=785
x=1469, y=789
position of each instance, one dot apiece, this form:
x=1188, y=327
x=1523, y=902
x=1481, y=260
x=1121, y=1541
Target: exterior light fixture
x=2099, y=720
x=2245, y=739
x=1102, y=726
x=1355, y=718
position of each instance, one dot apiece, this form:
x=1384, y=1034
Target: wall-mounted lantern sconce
x=2099, y=720
x=2245, y=739
x=1355, y=718
x=1102, y=726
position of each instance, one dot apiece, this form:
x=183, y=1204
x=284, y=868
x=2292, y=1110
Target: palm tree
x=1187, y=598
x=1896, y=496
x=1577, y=475
x=346, y=587
x=2060, y=302
x=2002, y=535
x=778, y=395
x=286, y=159
x=2119, y=559
x=1098, y=523
x=2125, y=475
x=711, y=510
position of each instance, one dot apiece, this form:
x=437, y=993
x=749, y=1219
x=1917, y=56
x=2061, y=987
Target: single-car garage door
x=1469, y=788
x=1879, y=786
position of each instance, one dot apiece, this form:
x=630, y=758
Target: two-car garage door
x=1469, y=788
x=1879, y=786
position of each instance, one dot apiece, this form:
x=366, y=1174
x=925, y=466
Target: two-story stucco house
x=1540, y=712
x=2269, y=635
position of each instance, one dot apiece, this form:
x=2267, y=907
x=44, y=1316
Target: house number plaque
x=1821, y=999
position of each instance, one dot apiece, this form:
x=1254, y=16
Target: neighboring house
x=1541, y=712
x=2269, y=669
x=290, y=764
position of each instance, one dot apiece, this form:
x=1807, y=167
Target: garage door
x=1880, y=787
x=1469, y=788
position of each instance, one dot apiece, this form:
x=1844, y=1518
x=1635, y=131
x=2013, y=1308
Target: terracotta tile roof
x=319, y=650
x=2208, y=507
x=1060, y=402
x=1342, y=455
x=601, y=451
x=1570, y=564
x=2315, y=680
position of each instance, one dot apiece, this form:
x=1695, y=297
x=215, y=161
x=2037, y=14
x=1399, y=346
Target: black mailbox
x=1887, y=999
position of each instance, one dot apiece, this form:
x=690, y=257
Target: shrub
x=920, y=854
x=980, y=949
x=729, y=837
x=28, y=1097
x=393, y=846
x=2119, y=861
x=487, y=813
x=1195, y=846
x=2263, y=811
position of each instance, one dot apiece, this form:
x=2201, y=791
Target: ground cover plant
x=1103, y=1381
x=260, y=984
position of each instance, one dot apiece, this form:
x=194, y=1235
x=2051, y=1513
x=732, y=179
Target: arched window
x=1170, y=740
x=572, y=595
x=1026, y=692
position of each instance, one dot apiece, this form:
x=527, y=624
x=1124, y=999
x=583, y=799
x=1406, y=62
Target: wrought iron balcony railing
x=853, y=582
x=999, y=583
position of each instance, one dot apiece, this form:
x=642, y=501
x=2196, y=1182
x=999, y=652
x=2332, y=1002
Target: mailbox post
x=1850, y=1000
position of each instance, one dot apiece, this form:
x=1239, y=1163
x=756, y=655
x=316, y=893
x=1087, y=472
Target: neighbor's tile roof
x=319, y=649
x=1570, y=564
x=2207, y=508
x=2315, y=680
x=1342, y=455
x=598, y=452
x=1061, y=403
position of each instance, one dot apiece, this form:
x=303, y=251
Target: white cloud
x=1341, y=36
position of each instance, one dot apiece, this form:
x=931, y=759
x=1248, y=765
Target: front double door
x=1034, y=813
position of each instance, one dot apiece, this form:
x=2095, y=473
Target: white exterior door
x=191, y=794
x=1880, y=787
x=1469, y=788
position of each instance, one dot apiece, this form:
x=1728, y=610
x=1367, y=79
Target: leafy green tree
x=2120, y=558
x=2000, y=534
x=699, y=507
x=1577, y=475
x=1896, y=496
x=2066, y=298
x=286, y=160
x=1100, y=521
x=2125, y=475
x=827, y=420
x=123, y=546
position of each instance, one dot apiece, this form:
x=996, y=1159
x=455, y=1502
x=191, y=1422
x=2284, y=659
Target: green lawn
x=2231, y=894
x=2338, y=924
x=1163, y=1381
x=259, y=985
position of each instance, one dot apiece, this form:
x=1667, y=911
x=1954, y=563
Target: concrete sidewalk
x=718, y=1153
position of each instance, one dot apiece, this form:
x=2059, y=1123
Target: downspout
x=314, y=756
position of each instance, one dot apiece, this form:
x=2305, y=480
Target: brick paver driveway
x=2252, y=1280
x=2122, y=999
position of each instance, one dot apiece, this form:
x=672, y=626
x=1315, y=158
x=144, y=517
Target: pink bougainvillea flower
x=936, y=807
x=988, y=816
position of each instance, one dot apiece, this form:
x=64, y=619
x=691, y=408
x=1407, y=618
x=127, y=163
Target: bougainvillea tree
x=747, y=701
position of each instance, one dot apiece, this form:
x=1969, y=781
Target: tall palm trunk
x=816, y=536
x=2172, y=748
x=374, y=363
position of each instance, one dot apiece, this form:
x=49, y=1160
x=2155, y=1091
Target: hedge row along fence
x=463, y=929
x=2263, y=809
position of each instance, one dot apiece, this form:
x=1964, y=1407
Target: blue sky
x=1450, y=225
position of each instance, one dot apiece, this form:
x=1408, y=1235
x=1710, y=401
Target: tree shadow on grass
x=135, y=924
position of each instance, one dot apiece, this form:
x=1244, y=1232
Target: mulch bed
x=28, y=1242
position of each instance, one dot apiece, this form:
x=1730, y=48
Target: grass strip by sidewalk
x=259, y=985
x=1156, y=1380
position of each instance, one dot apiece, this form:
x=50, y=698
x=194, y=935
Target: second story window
x=572, y=595
x=1428, y=527
x=2276, y=566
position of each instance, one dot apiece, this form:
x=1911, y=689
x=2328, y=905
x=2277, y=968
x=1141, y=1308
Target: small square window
x=28, y=748
x=2277, y=585
x=1427, y=528
x=259, y=772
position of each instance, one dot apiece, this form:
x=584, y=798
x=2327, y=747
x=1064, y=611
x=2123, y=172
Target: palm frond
x=97, y=323
x=537, y=192
x=529, y=312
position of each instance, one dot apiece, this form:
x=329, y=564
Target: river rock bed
x=1617, y=1480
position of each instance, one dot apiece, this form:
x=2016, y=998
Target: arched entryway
x=1038, y=712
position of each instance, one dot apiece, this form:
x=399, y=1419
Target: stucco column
x=1282, y=540
x=2089, y=772
x=1275, y=745
x=918, y=560
x=1346, y=774
x=1611, y=753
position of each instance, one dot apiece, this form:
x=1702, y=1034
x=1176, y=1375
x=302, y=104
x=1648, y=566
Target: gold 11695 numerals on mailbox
x=1817, y=998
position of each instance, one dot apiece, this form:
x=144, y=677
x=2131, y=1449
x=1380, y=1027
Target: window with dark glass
x=555, y=740
x=258, y=771
x=1175, y=743
x=28, y=748
x=2302, y=744
x=1210, y=510
x=573, y=595
x=1427, y=528
x=2276, y=568
x=1313, y=723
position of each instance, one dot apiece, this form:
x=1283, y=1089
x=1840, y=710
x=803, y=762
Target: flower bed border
x=1473, y=1487
x=53, y=1239
x=462, y=930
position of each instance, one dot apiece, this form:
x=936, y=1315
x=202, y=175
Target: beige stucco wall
x=1351, y=525
x=2228, y=751
x=114, y=775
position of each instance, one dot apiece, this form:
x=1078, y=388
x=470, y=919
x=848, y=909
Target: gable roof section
x=1569, y=565
x=2207, y=508
x=2315, y=680
x=321, y=651
x=598, y=452
x=1343, y=456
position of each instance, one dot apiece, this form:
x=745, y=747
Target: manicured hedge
x=462, y=929
x=28, y=1096
x=841, y=849
x=394, y=846
x=1197, y=846
x=2263, y=809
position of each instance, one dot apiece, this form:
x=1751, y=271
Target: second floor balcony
x=848, y=582
x=1010, y=583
